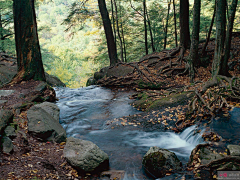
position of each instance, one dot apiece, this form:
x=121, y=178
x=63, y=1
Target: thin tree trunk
x=1, y=33
x=29, y=59
x=175, y=23
x=193, y=56
x=113, y=23
x=184, y=24
x=145, y=26
x=227, y=10
x=220, y=36
x=209, y=33
x=166, y=28
x=224, y=66
x=112, y=50
x=150, y=30
x=118, y=30
x=124, y=44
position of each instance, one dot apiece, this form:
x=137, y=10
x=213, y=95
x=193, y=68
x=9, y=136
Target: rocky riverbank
x=34, y=143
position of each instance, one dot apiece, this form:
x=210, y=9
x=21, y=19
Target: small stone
x=233, y=150
x=3, y=101
x=21, y=95
x=10, y=132
x=6, y=117
x=41, y=87
x=4, y=93
x=7, y=145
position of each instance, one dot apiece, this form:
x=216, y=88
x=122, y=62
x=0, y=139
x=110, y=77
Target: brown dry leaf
x=69, y=174
x=35, y=171
x=63, y=164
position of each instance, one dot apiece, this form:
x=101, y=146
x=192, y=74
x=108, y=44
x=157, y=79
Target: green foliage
x=7, y=43
x=68, y=57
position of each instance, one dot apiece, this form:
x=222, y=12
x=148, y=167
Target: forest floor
x=160, y=74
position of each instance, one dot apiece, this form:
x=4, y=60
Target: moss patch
x=154, y=163
x=147, y=103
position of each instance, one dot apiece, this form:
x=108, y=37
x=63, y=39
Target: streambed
x=84, y=114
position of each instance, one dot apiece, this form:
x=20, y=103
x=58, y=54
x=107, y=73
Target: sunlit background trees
x=72, y=38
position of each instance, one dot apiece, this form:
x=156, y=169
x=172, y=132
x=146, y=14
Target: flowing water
x=85, y=111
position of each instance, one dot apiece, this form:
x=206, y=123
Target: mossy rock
x=157, y=162
x=91, y=81
x=144, y=102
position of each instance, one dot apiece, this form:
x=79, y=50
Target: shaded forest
x=72, y=39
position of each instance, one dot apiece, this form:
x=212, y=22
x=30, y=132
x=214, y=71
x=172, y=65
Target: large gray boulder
x=157, y=162
x=51, y=109
x=43, y=123
x=85, y=155
x=54, y=81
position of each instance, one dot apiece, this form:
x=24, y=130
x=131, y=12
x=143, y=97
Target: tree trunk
x=232, y=12
x=124, y=44
x=184, y=24
x=193, y=56
x=29, y=57
x=220, y=36
x=145, y=26
x=209, y=33
x=150, y=30
x=175, y=23
x=112, y=50
x=118, y=30
x=113, y=23
x=166, y=28
x=1, y=33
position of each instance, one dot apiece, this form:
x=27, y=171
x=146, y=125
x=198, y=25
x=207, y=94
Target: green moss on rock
x=145, y=102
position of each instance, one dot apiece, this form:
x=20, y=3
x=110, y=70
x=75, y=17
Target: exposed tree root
x=141, y=72
x=214, y=94
x=162, y=59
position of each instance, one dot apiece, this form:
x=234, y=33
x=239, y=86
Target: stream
x=84, y=114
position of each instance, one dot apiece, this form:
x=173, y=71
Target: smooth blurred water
x=85, y=111
x=228, y=127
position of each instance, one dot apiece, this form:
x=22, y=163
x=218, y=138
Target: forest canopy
x=72, y=39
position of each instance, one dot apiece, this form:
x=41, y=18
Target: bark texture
x=220, y=36
x=184, y=24
x=112, y=50
x=193, y=56
x=29, y=57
